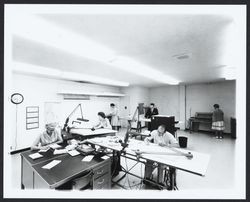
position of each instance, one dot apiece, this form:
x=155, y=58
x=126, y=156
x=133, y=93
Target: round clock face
x=17, y=98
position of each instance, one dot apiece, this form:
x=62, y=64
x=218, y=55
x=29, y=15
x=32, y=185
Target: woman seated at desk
x=51, y=135
x=162, y=138
x=103, y=121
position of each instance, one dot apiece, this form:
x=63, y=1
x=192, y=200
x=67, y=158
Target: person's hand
x=45, y=147
x=146, y=141
x=162, y=144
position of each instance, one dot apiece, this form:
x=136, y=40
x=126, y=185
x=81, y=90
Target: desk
x=33, y=176
x=197, y=165
x=145, y=120
x=84, y=133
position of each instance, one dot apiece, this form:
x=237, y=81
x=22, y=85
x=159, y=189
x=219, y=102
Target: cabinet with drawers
x=70, y=173
x=102, y=176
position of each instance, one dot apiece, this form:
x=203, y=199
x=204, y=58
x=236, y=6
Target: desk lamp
x=65, y=127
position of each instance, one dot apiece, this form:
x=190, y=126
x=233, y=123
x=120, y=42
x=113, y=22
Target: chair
x=83, y=182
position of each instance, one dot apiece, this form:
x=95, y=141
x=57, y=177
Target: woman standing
x=114, y=116
x=218, y=121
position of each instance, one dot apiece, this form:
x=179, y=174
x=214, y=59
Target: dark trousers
x=149, y=168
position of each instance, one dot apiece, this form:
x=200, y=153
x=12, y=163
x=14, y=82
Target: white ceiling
x=150, y=39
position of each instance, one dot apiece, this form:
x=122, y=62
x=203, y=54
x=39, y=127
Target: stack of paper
x=105, y=157
x=88, y=158
x=35, y=156
x=73, y=153
x=51, y=164
x=44, y=150
x=54, y=146
x=60, y=151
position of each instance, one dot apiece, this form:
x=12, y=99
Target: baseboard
x=19, y=151
x=206, y=131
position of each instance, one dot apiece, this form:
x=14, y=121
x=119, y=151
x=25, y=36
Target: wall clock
x=17, y=98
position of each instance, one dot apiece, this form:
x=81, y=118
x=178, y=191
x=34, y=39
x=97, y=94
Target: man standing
x=151, y=112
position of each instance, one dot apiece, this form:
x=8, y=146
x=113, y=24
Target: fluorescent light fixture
x=93, y=79
x=135, y=67
x=39, y=30
x=24, y=68
x=35, y=28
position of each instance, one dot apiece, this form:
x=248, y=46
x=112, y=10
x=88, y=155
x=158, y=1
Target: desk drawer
x=102, y=182
x=105, y=168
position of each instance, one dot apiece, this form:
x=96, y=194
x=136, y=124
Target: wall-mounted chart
x=32, y=117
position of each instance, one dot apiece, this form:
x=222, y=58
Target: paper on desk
x=43, y=150
x=35, y=156
x=54, y=146
x=88, y=158
x=60, y=151
x=51, y=164
x=105, y=157
x=73, y=153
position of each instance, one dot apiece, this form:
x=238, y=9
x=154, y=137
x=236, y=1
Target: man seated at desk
x=52, y=134
x=162, y=138
x=103, y=121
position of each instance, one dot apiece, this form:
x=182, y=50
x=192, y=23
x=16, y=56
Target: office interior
x=182, y=59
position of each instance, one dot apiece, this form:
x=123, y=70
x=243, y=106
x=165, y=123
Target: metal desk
x=33, y=176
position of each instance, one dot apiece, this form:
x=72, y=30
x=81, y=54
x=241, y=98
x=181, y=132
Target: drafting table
x=84, y=133
x=197, y=165
x=89, y=133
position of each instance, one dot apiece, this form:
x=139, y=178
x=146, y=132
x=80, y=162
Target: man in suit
x=152, y=110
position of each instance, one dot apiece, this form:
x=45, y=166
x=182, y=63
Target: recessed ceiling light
x=182, y=56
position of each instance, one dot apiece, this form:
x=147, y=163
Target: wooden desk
x=33, y=176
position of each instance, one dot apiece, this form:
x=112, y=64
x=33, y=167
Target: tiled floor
x=221, y=165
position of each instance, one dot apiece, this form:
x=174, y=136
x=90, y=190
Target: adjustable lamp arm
x=79, y=105
x=67, y=119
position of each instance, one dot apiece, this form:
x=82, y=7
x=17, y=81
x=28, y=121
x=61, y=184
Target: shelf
x=97, y=94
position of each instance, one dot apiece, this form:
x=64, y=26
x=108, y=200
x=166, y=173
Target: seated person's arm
x=171, y=142
x=59, y=137
x=97, y=126
x=148, y=139
x=37, y=144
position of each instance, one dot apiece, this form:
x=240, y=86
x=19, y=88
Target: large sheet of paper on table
x=86, y=131
x=197, y=165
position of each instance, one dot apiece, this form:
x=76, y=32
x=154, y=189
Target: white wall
x=42, y=92
x=166, y=99
x=199, y=98
x=202, y=97
x=133, y=96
